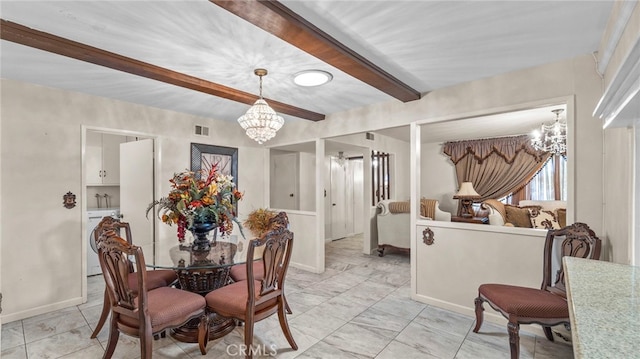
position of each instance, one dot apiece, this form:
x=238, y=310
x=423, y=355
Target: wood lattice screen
x=380, y=179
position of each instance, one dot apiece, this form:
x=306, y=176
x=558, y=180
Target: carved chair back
x=576, y=240
x=276, y=255
x=114, y=253
x=110, y=223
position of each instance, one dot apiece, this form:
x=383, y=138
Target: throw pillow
x=517, y=216
x=543, y=219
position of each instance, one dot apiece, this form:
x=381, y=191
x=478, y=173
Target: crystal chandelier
x=261, y=122
x=552, y=137
x=341, y=160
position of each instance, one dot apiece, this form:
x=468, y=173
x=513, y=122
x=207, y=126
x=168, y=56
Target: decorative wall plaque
x=69, y=200
x=427, y=236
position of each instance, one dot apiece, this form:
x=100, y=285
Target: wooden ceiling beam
x=23, y=35
x=275, y=18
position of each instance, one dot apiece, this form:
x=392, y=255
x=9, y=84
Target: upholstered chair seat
x=155, y=279
x=163, y=311
x=525, y=302
x=233, y=298
x=239, y=271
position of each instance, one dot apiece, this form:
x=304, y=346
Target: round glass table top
x=221, y=254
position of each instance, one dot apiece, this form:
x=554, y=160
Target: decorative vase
x=200, y=241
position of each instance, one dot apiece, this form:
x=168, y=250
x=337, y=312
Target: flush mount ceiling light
x=312, y=78
x=552, y=137
x=261, y=122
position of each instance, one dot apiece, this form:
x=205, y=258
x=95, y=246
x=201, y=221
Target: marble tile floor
x=358, y=308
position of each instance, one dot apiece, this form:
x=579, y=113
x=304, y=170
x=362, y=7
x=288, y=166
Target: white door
x=357, y=174
x=284, y=181
x=136, y=191
x=338, y=201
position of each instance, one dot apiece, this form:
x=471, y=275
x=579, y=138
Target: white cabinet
x=103, y=158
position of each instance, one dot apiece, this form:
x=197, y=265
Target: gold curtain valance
x=506, y=147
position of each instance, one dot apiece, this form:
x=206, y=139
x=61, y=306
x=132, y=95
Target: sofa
x=393, y=222
x=528, y=214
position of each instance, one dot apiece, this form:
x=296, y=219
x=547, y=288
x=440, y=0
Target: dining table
x=202, y=272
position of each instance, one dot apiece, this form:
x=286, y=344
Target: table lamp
x=466, y=194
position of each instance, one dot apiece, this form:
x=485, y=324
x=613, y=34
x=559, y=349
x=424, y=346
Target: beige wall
x=41, y=263
x=438, y=177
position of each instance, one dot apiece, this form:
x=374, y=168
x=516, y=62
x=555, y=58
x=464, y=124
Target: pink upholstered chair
x=254, y=299
x=546, y=306
x=138, y=311
x=155, y=278
x=239, y=271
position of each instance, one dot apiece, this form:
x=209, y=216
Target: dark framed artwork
x=226, y=158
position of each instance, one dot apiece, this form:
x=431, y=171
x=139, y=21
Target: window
x=379, y=177
x=550, y=183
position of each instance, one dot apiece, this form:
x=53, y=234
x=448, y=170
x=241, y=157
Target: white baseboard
x=12, y=317
x=489, y=316
x=306, y=267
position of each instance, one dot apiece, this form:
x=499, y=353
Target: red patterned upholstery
x=525, y=302
x=239, y=271
x=155, y=279
x=163, y=311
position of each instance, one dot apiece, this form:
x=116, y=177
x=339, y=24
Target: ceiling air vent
x=202, y=130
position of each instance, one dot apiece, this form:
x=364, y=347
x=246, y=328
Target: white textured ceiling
x=426, y=44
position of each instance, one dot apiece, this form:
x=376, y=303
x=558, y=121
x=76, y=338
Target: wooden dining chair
x=155, y=278
x=138, y=311
x=252, y=300
x=546, y=306
x=238, y=272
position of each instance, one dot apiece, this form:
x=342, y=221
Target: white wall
x=42, y=241
x=307, y=181
x=438, y=177
x=463, y=256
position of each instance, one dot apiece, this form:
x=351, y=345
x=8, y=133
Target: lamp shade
x=466, y=191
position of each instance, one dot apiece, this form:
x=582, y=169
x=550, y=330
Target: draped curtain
x=496, y=166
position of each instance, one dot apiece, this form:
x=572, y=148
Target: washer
x=94, y=216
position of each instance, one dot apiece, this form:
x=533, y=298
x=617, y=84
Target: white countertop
x=604, y=308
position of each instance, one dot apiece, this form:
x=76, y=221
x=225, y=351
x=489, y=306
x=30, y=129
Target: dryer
x=94, y=216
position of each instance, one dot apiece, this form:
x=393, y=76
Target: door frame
x=83, y=185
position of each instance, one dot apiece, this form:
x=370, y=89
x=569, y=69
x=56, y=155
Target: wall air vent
x=202, y=130
x=369, y=136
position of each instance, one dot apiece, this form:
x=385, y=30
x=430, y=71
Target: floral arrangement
x=205, y=196
x=258, y=221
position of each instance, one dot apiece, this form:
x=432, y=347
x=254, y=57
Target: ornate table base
x=218, y=327
x=202, y=281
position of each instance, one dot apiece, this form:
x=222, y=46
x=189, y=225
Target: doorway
x=118, y=180
x=346, y=196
